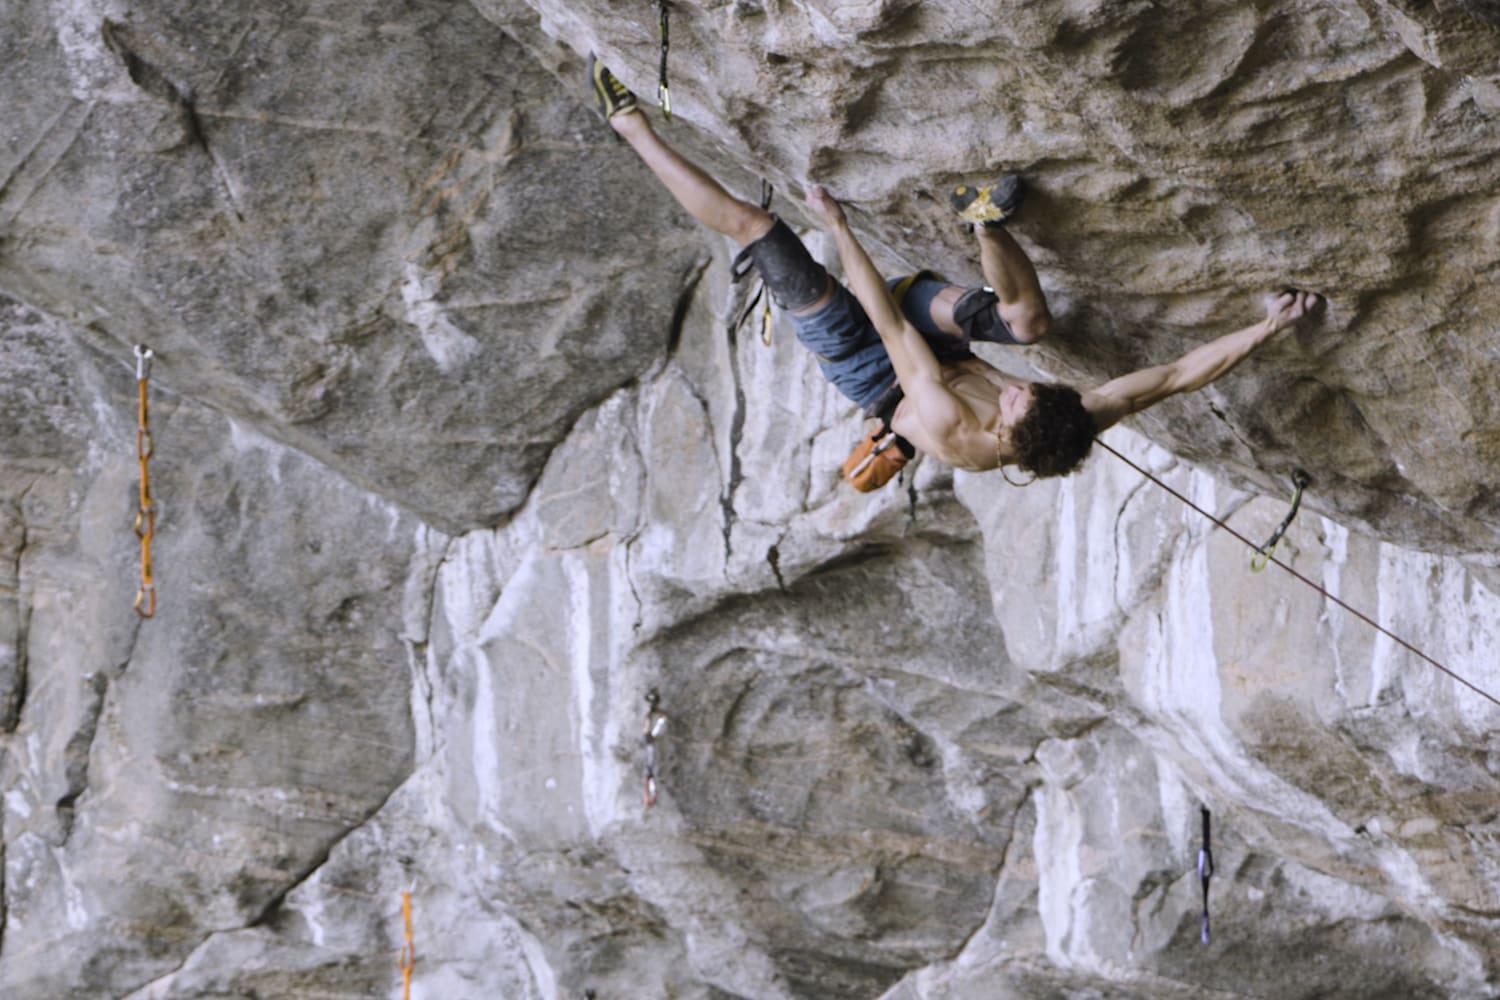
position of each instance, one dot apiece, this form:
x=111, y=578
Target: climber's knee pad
x=796, y=280
x=977, y=317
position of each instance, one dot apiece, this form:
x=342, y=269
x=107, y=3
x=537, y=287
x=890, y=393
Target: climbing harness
x=1205, y=870
x=1263, y=554
x=656, y=722
x=1310, y=583
x=743, y=266
x=408, y=950
x=663, y=92
x=145, y=518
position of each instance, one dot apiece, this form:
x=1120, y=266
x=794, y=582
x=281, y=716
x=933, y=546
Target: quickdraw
x=145, y=518
x=1311, y=584
x=656, y=722
x=1263, y=554
x=663, y=92
x=408, y=959
x=743, y=267
x=1205, y=870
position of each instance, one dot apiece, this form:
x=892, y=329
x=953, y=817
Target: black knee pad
x=977, y=317
x=796, y=280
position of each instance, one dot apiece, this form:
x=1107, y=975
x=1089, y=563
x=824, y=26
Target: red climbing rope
x=1314, y=585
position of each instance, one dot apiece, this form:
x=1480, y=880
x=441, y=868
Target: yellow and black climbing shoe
x=992, y=205
x=613, y=96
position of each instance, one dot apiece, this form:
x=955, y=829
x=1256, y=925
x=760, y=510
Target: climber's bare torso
x=990, y=397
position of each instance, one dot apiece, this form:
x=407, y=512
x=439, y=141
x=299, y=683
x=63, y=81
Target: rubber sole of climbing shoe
x=992, y=205
x=612, y=96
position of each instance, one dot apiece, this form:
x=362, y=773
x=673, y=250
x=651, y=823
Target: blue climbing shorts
x=917, y=302
x=848, y=349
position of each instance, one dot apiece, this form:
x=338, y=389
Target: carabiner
x=663, y=92
x=1205, y=871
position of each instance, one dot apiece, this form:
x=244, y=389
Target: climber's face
x=1016, y=400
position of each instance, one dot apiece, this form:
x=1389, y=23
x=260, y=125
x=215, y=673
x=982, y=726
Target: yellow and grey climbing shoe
x=992, y=205
x=613, y=96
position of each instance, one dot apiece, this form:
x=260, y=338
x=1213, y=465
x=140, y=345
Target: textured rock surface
x=1182, y=166
x=319, y=250
x=457, y=460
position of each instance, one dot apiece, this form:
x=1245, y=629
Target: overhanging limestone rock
x=305, y=250
x=457, y=460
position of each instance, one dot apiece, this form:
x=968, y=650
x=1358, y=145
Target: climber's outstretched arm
x=1132, y=393
x=917, y=368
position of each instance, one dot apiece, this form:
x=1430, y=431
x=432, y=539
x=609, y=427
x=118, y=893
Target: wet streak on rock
x=690, y=283
x=736, y=429
x=14, y=621
x=78, y=750
x=773, y=559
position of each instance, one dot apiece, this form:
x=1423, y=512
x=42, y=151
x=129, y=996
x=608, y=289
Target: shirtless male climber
x=915, y=354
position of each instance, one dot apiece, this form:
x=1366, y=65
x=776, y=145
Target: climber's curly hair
x=1056, y=434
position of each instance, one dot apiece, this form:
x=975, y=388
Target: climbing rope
x=1314, y=585
x=663, y=92
x=1205, y=870
x=656, y=722
x=408, y=950
x=145, y=518
x=1263, y=554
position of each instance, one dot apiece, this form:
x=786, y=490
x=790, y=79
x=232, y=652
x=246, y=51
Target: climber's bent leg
x=949, y=316
x=1021, y=305
x=977, y=312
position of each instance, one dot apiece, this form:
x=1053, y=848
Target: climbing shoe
x=613, y=96
x=990, y=206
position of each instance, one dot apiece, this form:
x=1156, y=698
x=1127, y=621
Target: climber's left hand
x=825, y=206
x=1291, y=306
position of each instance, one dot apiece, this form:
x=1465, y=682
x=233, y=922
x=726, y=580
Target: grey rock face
x=303, y=247
x=457, y=460
x=231, y=740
